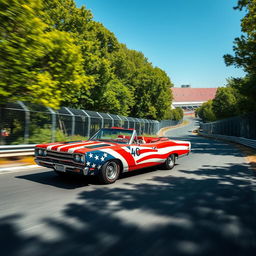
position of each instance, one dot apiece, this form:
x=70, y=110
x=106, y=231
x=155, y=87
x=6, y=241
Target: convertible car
x=109, y=152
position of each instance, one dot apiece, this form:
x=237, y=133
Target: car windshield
x=121, y=136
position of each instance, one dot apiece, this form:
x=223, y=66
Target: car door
x=143, y=155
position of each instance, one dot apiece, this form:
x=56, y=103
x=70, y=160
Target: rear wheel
x=170, y=162
x=109, y=172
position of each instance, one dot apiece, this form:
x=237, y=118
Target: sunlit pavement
x=204, y=206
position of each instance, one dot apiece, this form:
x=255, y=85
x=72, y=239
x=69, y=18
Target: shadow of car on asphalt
x=52, y=179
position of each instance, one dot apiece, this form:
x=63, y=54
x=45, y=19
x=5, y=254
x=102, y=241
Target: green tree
x=174, y=114
x=177, y=114
x=37, y=65
x=245, y=52
x=55, y=54
x=117, y=98
x=244, y=93
x=59, y=72
x=97, y=44
x=20, y=46
x=205, y=112
x=226, y=102
x=150, y=85
x=245, y=45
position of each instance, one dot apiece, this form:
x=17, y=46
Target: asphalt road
x=204, y=206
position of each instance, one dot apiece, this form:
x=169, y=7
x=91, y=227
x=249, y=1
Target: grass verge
x=250, y=155
x=27, y=160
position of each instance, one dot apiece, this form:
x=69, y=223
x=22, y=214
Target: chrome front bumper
x=63, y=167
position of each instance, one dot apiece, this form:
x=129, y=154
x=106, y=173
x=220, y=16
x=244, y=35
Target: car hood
x=77, y=147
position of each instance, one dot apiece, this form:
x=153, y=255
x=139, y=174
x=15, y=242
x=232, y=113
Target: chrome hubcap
x=111, y=170
x=170, y=161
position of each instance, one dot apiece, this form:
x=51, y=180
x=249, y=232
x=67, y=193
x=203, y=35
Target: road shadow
x=64, y=182
x=210, y=212
x=76, y=181
x=201, y=145
x=73, y=181
x=139, y=172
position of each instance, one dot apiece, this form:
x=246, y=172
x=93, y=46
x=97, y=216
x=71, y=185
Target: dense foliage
x=206, y=111
x=54, y=53
x=239, y=96
x=175, y=114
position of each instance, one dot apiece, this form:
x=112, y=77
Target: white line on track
x=18, y=168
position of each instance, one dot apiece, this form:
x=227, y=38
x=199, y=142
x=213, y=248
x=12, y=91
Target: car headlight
x=79, y=158
x=40, y=152
x=83, y=159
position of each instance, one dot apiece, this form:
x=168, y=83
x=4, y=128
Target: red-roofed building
x=191, y=98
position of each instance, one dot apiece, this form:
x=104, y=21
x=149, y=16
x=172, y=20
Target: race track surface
x=204, y=206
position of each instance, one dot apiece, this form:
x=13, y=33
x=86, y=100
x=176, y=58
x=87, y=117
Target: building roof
x=193, y=94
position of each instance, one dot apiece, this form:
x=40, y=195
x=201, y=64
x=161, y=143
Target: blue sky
x=186, y=38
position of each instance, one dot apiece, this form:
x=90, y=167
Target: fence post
x=140, y=125
x=89, y=124
x=127, y=121
x=53, y=128
x=102, y=119
x=27, y=121
x=142, y=132
x=146, y=126
x=135, y=122
x=111, y=119
x=73, y=121
x=158, y=126
x=120, y=120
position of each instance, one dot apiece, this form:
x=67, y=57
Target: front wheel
x=109, y=172
x=170, y=162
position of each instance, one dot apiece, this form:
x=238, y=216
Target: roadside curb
x=248, y=152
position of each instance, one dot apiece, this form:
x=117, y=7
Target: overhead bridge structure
x=190, y=99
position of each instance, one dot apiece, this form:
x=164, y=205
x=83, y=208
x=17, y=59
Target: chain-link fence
x=166, y=123
x=25, y=123
x=240, y=126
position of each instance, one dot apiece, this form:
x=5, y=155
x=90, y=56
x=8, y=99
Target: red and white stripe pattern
x=152, y=156
x=132, y=157
x=72, y=147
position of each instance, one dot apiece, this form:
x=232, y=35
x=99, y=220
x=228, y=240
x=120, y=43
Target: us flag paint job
x=96, y=153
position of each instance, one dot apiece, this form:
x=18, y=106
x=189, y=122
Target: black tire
x=169, y=162
x=109, y=172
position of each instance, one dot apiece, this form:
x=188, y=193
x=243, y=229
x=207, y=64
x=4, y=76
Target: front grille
x=59, y=155
x=59, y=161
x=60, y=158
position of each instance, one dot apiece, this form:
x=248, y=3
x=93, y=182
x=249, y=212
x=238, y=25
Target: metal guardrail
x=17, y=150
x=243, y=126
x=243, y=141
